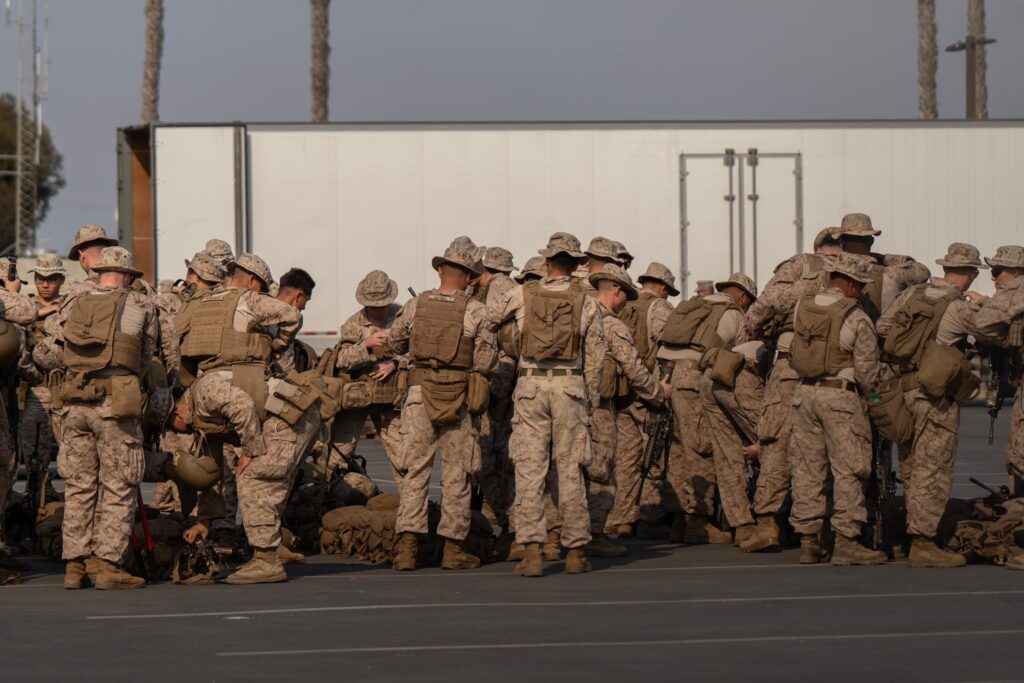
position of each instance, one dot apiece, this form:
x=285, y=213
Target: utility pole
x=33, y=72
x=973, y=47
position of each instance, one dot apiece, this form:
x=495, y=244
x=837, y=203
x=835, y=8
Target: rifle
x=658, y=427
x=882, y=490
x=12, y=267
x=412, y=291
x=994, y=392
x=35, y=488
x=999, y=496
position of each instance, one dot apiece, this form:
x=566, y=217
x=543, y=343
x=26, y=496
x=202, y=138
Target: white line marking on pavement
x=595, y=603
x=622, y=643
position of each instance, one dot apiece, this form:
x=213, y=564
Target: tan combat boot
x=75, y=576
x=288, y=556
x=552, y=551
x=455, y=557
x=531, y=564
x=111, y=577
x=516, y=553
x=742, y=534
x=92, y=567
x=765, y=536
x=576, y=562
x=603, y=546
x=700, y=531
x=625, y=531
x=810, y=549
x=264, y=567
x=849, y=552
x=405, y=552
x=924, y=553
x=1015, y=562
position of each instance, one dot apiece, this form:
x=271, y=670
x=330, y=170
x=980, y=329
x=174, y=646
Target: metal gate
x=746, y=219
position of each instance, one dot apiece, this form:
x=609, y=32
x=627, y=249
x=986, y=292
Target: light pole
x=970, y=46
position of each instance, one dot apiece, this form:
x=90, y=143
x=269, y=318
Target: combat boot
x=1015, y=562
x=455, y=557
x=700, y=531
x=810, y=549
x=742, y=534
x=111, y=577
x=75, y=576
x=287, y=556
x=552, y=551
x=576, y=562
x=531, y=564
x=9, y=577
x=924, y=553
x=765, y=536
x=849, y=552
x=516, y=553
x=405, y=552
x=92, y=567
x=603, y=546
x=264, y=567
x=625, y=531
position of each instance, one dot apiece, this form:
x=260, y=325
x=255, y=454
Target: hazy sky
x=248, y=60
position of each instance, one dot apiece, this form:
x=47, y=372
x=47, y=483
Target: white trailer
x=706, y=199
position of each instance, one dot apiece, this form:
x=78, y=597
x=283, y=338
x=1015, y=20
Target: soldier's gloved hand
x=376, y=339
x=195, y=531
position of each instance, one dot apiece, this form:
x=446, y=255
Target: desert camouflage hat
x=659, y=272
x=562, y=243
x=852, y=266
x=602, y=247
x=376, y=290
x=534, y=269
x=255, y=266
x=219, y=250
x=961, y=255
x=622, y=254
x=497, y=258
x=89, y=235
x=618, y=275
x=461, y=253
x=857, y=225
x=738, y=280
x=705, y=284
x=117, y=260
x=1008, y=256
x=207, y=267
x=826, y=235
x=47, y=265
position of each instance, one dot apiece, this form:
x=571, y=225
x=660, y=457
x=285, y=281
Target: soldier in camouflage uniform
x=835, y=352
x=360, y=355
x=101, y=448
x=561, y=353
x=935, y=312
x=452, y=351
x=645, y=318
x=705, y=288
x=533, y=270
x=624, y=377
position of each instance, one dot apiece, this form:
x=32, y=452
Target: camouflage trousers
x=102, y=462
x=37, y=446
x=830, y=432
x=600, y=473
x=347, y=430
x=1015, y=443
x=497, y=476
x=459, y=446
x=690, y=467
x=926, y=462
x=732, y=416
x=629, y=452
x=773, y=432
x=264, y=485
x=551, y=425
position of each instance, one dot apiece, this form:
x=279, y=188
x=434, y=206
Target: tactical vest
x=914, y=325
x=694, y=324
x=551, y=322
x=437, y=339
x=635, y=314
x=92, y=338
x=212, y=340
x=816, y=350
x=614, y=383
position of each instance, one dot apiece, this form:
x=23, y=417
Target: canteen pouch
x=609, y=378
x=940, y=364
x=126, y=397
x=890, y=413
x=478, y=394
x=726, y=367
x=444, y=394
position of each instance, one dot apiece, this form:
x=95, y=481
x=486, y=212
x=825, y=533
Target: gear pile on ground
x=314, y=495
x=986, y=530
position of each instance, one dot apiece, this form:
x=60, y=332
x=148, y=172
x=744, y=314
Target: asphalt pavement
x=662, y=613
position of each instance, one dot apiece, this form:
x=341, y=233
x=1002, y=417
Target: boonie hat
x=497, y=258
x=852, y=266
x=659, y=272
x=618, y=275
x=206, y=267
x=534, y=268
x=461, y=253
x=857, y=225
x=117, y=260
x=961, y=255
x=738, y=280
x=376, y=290
x=1008, y=256
x=47, y=265
x=88, y=235
x=562, y=243
x=255, y=266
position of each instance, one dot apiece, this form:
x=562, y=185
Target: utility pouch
x=356, y=395
x=55, y=382
x=726, y=367
x=965, y=385
x=940, y=365
x=444, y=394
x=478, y=394
x=890, y=413
x=609, y=378
x=126, y=397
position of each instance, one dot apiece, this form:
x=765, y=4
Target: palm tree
x=976, y=29
x=320, y=69
x=151, y=68
x=927, y=60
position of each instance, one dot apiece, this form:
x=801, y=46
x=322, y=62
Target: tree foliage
x=49, y=173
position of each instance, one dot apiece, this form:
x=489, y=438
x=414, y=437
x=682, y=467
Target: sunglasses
x=996, y=272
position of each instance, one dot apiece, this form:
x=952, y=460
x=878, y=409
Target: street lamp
x=969, y=46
